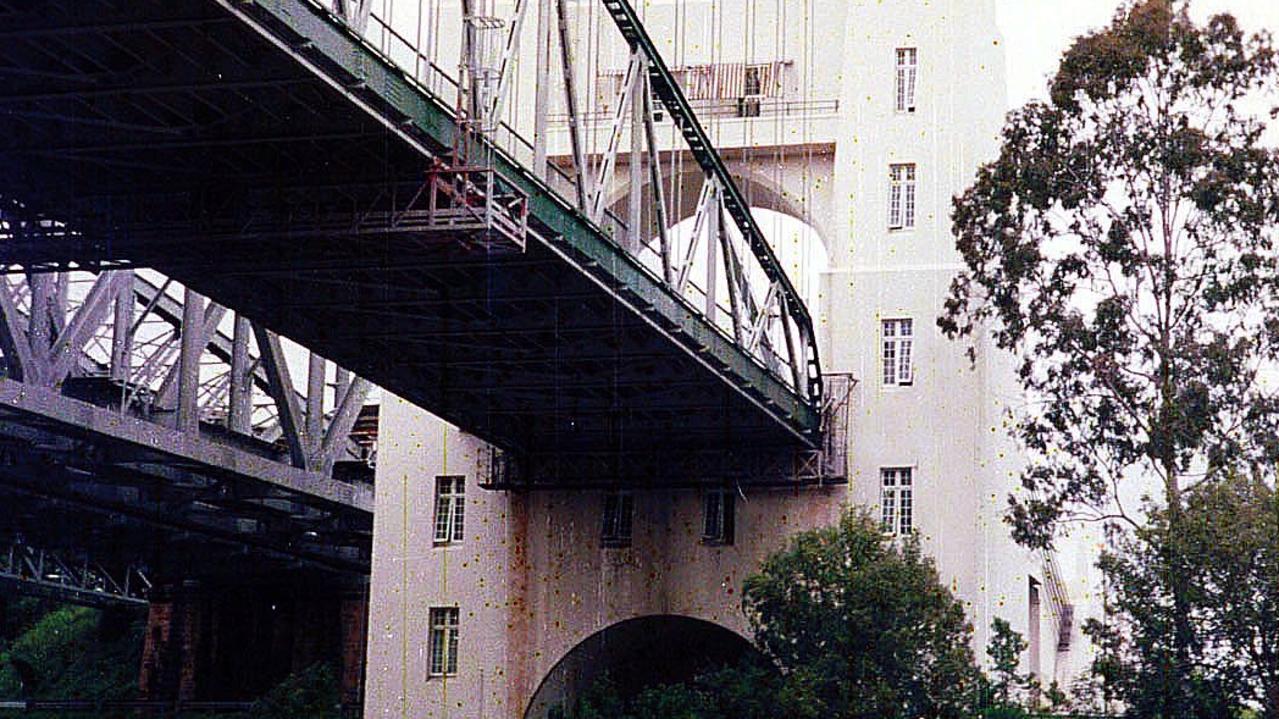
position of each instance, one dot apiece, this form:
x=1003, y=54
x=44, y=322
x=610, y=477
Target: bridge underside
x=99, y=486
x=257, y=152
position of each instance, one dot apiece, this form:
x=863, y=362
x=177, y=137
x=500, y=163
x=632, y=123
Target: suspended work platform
x=262, y=153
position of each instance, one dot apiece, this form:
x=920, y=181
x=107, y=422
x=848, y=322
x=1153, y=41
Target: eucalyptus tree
x=1123, y=245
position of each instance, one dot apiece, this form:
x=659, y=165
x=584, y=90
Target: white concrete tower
x=923, y=100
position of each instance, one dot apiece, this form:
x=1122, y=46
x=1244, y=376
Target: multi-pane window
x=896, y=499
x=752, y=90
x=898, y=337
x=901, y=196
x=717, y=517
x=907, y=70
x=753, y=82
x=443, y=644
x=619, y=507
x=450, y=509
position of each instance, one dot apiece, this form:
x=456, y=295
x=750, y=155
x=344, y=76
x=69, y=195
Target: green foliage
x=1056, y=697
x=65, y=654
x=602, y=700
x=18, y=614
x=675, y=701
x=1006, y=693
x=750, y=689
x=1124, y=244
x=56, y=651
x=1227, y=539
x=1002, y=711
x=311, y=693
x=860, y=626
x=1007, y=685
x=72, y=652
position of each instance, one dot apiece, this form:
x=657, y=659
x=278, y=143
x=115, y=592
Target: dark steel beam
x=41, y=404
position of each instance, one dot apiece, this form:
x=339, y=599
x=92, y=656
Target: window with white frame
x=619, y=507
x=907, y=70
x=898, y=337
x=718, y=517
x=443, y=641
x=896, y=500
x=450, y=509
x=753, y=80
x=901, y=196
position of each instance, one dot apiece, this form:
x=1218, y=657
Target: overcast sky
x=1036, y=32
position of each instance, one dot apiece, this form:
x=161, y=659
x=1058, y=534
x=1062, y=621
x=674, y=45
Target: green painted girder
x=346, y=60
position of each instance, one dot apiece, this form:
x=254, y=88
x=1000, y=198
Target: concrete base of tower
x=544, y=602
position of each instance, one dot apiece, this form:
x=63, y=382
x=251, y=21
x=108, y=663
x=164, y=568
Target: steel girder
x=74, y=476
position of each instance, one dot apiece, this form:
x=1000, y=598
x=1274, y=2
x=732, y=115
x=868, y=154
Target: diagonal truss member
x=664, y=86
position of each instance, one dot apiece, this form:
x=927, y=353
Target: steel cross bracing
x=149, y=429
x=268, y=156
x=74, y=578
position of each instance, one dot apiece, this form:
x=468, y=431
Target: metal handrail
x=769, y=107
x=563, y=183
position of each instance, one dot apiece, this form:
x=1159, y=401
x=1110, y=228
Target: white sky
x=1037, y=32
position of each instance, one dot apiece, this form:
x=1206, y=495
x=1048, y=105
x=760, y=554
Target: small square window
x=443, y=641
x=619, y=510
x=718, y=517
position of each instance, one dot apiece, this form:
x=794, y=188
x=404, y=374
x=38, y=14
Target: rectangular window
x=443, y=645
x=717, y=517
x=898, y=337
x=901, y=197
x=450, y=509
x=896, y=500
x=753, y=82
x=619, y=507
x=907, y=68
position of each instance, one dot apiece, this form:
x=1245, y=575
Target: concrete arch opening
x=761, y=191
x=797, y=245
x=638, y=653
x=795, y=234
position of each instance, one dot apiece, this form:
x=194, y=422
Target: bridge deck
x=259, y=150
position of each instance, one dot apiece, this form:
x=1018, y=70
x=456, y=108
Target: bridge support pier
x=354, y=618
x=212, y=643
x=172, y=646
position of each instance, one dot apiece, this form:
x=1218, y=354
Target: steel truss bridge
x=147, y=436
x=286, y=176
